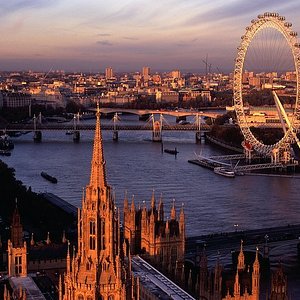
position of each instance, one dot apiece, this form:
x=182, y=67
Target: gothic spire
x=173, y=211
x=241, y=258
x=153, y=200
x=98, y=176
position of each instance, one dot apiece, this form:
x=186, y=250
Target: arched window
x=92, y=227
x=80, y=297
x=89, y=298
x=111, y=297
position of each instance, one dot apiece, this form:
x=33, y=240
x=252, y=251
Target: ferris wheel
x=290, y=123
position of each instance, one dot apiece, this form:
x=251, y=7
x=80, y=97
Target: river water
x=212, y=203
x=135, y=164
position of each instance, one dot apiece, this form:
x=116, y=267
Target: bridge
x=174, y=113
x=228, y=241
x=84, y=127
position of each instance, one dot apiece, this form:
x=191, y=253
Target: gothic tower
x=17, y=249
x=97, y=270
x=279, y=289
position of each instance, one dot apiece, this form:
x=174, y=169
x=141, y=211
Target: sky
x=89, y=35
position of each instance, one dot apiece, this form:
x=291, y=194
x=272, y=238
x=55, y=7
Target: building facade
x=146, y=231
x=97, y=270
x=242, y=284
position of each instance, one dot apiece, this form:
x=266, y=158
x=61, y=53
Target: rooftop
x=156, y=282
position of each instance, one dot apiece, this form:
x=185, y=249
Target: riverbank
x=38, y=215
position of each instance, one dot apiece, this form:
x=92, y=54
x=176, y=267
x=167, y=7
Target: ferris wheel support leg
x=248, y=155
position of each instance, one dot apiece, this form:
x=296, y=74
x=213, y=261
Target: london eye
x=251, y=44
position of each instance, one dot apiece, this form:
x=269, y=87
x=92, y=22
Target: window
x=18, y=265
x=92, y=227
x=92, y=234
x=80, y=297
x=92, y=243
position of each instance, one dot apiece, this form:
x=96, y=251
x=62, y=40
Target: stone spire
x=16, y=228
x=241, y=259
x=236, y=291
x=125, y=202
x=173, y=211
x=160, y=209
x=153, y=200
x=98, y=176
x=64, y=240
x=32, y=242
x=48, y=241
x=256, y=278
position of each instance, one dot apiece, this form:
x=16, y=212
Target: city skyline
x=127, y=35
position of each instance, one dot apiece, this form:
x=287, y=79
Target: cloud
x=130, y=38
x=105, y=43
x=104, y=34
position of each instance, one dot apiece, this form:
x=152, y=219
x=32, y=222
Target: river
x=135, y=164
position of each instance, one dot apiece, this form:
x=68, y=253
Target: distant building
x=13, y=100
x=169, y=96
x=146, y=73
x=109, y=73
x=176, y=74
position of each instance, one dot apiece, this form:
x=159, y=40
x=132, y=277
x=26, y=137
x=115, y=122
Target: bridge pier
x=115, y=135
x=157, y=130
x=37, y=137
x=76, y=136
x=198, y=137
x=198, y=132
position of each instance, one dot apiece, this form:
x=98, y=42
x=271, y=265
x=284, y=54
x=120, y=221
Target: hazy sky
x=88, y=35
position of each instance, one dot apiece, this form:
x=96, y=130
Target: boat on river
x=224, y=172
x=49, y=177
x=171, y=151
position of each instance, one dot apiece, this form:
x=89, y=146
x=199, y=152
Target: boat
x=6, y=143
x=224, y=172
x=171, y=151
x=49, y=177
x=69, y=132
x=87, y=116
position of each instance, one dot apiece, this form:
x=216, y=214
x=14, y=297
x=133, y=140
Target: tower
x=255, y=278
x=17, y=249
x=241, y=259
x=279, y=285
x=97, y=270
x=109, y=73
